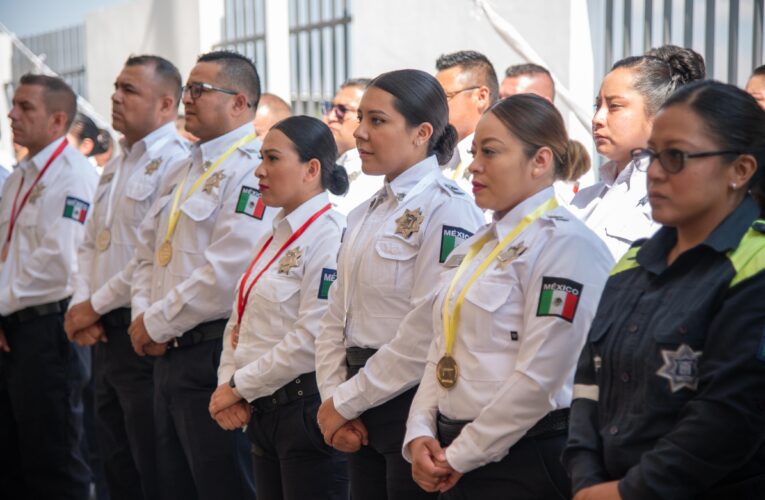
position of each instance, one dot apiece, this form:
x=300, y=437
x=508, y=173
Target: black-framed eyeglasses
x=672, y=160
x=196, y=89
x=450, y=95
x=341, y=110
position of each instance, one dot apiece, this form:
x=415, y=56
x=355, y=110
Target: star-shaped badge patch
x=681, y=368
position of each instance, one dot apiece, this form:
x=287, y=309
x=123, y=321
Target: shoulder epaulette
x=628, y=261
x=748, y=258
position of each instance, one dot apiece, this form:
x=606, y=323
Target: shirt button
x=625, y=377
x=632, y=328
x=614, y=430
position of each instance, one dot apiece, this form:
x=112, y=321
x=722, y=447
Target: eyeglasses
x=195, y=90
x=341, y=110
x=450, y=95
x=671, y=160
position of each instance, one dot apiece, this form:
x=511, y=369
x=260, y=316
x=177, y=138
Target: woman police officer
x=668, y=395
x=374, y=338
x=510, y=319
x=268, y=354
x=616, y=208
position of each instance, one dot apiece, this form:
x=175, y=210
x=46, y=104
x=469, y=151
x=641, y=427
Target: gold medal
x=165, y=253
x=4, y=254
x=235, y=336
x=447, y=371
x=103, y=240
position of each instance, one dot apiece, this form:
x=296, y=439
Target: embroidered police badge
x=681, y=368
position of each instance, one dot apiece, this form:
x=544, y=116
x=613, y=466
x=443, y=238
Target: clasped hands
x=430, y=469
x=82, y=325
x=342, y=434
x=228, y=408
x=142, y=343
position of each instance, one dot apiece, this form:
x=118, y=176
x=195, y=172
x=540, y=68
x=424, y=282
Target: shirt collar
x=725, y=237
x=511, y=219
x=211, y=150
x=464, y=147
x=301, y=214
x=38, y=161
x=610, y=177
x=350, y=160
x=407, y=179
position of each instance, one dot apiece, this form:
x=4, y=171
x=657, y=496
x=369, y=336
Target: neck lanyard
x=166, y=249
x=458, y=170
x=243, y=296
x=446, y=370
x=348, y=264
x=16, y=211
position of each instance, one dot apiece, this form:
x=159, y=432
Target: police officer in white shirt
x=341, y=117
x=45, y=204
x=510, y=319
x=471, y=87
x=371, y=351
x=193, y=245
x=268, y=349
x=144, y=108
x=617, y=208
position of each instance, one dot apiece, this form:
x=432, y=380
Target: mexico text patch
x=559, y=297
x=76, y=209
x=250, y=203
x=451, y=237
x=328, y=276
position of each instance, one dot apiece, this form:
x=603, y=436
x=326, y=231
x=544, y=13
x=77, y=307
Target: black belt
x=34, y=312
x=117, y=318
x=303, y=386
x=203, y=332
x=553, y=422
x=356, y=358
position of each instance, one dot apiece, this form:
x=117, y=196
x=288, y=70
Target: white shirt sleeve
x=295, y=353
x=399, y=365
x=422, y=413
x=546, y=359
x=85, y=256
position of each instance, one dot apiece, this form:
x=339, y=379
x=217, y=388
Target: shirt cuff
x=417, y=426
x=103, y=300
x=463, y=455
x=348, y=400
x=157, y=327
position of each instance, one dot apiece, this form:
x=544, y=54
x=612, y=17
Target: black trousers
x=531, y=471
x=125, y=415
x=291, y=460
x=197, y=458
x=41, y=412
x=379, y=471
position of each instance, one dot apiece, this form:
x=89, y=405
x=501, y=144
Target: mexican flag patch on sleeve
x=76, y=209
x=559, y=297
x=328, y=276
x=250, y=203
x=451, y=237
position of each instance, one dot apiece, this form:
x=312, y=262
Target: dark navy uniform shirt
x=669, y=394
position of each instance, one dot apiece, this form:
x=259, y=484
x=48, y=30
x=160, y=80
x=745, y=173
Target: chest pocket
x=395, y=271
x=278, y=299
x=487, y=327
x=138, y=193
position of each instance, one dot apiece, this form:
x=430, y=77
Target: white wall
x=177, y=30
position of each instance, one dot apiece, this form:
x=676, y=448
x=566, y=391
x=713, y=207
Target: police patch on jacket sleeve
x=559, y=297
x=451, y=237
x=76, y=209
x=328, y=276
x=250, y=203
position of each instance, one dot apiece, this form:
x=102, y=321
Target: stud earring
x=733, y=185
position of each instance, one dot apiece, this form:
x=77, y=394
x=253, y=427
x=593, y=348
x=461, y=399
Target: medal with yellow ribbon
x=447, y=369
x=165, y=252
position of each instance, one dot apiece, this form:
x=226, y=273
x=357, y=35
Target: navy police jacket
x=669, y=394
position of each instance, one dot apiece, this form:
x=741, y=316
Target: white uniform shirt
x=457, y=167
x=212, y=244
x=130, y=183
x=362, y=186
x=281, y=318
x=617, y=208
x=392, y=278
x=516, y=358
x=48, y=230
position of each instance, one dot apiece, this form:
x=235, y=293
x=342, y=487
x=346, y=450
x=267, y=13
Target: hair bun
x=444, y=147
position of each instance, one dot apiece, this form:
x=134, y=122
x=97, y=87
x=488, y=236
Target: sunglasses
x=672, y=160
x=341, y=110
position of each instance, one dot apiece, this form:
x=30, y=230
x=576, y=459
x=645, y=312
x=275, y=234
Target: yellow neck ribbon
x=452, y=320
x=175, y=211
x=458, y=170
